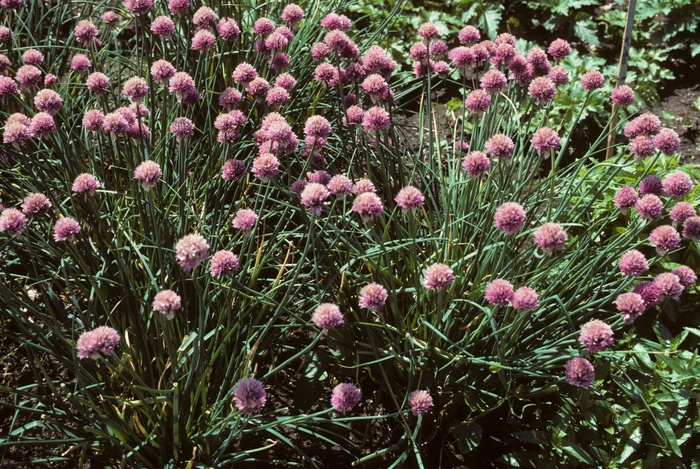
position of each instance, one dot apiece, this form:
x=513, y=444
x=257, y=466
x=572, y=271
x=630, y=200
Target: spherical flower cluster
x=97, y=83
x=373, y=297
x=669, y=285
x=162, y=71
x=550, y=237
x=319, y=177
x=32, y=57
x=545, y=139
x=438, y=276
x=135, y=89
x=110, y=18
x=509, y=217
x=631, y=305
x=265, y=167
x=138, y=7
x=85, y=32
x=685, y=275
x=476, y=163
x=292, y=14
x=5, y=34
x=499, y=146
x=80, y=62
x=681, y=212
x=499, y=292
x=327, y=316
x=648, y=292
x=579, y=372
x=48, y=101
x=477, y=101
x=286, y=81
x=148, y=173
x=340, y=186
x=114, y=123
x=85, y=184
x=163, y=27
x=542, y=89
x=376, y=118
x=592, y=80
x=233, y=170
x=314, y=197
x=8, y=87
x=101, y=340
x=317, y=126
x=463, y=58
x=652, y=185
x=368, y=205
x=275, y=135
x=28, y=76
x=525, y=299
x=537, y=58
x=277, y=96
x=375, y=87
x=42, y=124
x=345, y=396
x=691, y=228
x=228, y=29
x=229, y=126
x=205, y=17
x=667, y=141
x=263, y=26
x=230, y=98
x=182, y=128
x=363, y=185
x=35, y=204
x=493, y=81
x=65, y=228
x=320, y=51
x=223, y=263
x=250, y=396
x=12, y=221
x=646, y=124
x=182, y=85
x=633, y=263
x=559, y=49
x=245, y=220
x=622, y=96
x=665, y=238
x=355, y=115
x=409, y=197
x=190, y=251
x=179, y=7
x=677, y=185
x=420, y=402
x=167, y=301
x=326, y=73
x=649, y=206
x=642, y=147
x=469, y=35
x=559, y=75
x=203, y=40
x=596, y=336
x=16, y=133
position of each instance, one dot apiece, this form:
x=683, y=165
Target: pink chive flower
x=428, y=32
x=642, y=147
x=355, y=115
x=669, y=285
x=8, y=87
x=363, y=185
x=230, y=99
x=667, y=141
x=292, y=14
x=86, y=32
x=409, y=197
x=5, y=34
x=596, y=336
x=681, y=212
x=648, y=292
x=438, y=276
x=649, y=206
x=148, y=173
x=373, y=297
x=691, y=228
x=665, y=238
x=35, y=204
x=319, y=177
x=320, y=51
x=537, y=58
x=493, y=81
x=16, y=133
x=42, y=124
x=181, y=84
x=646, y=124
x=135, y=89
x=579, y=372
x=115, y=123
x=477, y=101
x=163, y=27
x=286, y=81
x=469, y=35
x=203, y=40
x=418, y=52
x=48, y=101
x=167, y=301
x=340, y=186
x=228, y=29
x=334, y=21
x=633, y=263
x=80, y=62
x=375, y=87
x=509, y=217
x=277, y=96
x=97, y=83
x=32, y=57
x=110, y=18
x=685, y=275
x=550, y=237
x=245, y=221
x=263, y=27
x=223, y=263
x=85, y=184
x=162, y=71
x=250, y=396
x=28, y=76
x=622, y=96
x=463, y=58
x=179, y=7
x=233, y=170
x=420, y=402
x=265, y=167
x=592, y=80
x=97, y=342
x=190, y=251
x=376, y=118
x=314, y=197
x=368, y=205
x=182, y=128
x=525, y=299
x=297, y=187
x=64, y=229
x=632, y=305
x=12, y=221
x=244, y=73
x=542, y=90
x=326, y=73
x=499, y=292
x=559, y=75
x=677, y=185
x=626, y=198
x=345, y=396
x=327, y=316
x=92, y=120
x=138, y=7
x=499, y=146
x=502, y=54
x=205, y=17
x=229, y=126
x=545, y=140
x=652, y=185
x=559, y=49
x=317, y=126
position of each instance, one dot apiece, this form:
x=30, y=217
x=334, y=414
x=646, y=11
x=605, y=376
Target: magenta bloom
x=327, y=316
x=537, y=58
x=438, y=276
x=203, y=40
x=277, y=96
x=476, y=163
x=163, y=26
x=319, y=177
x=115, y=123
x=691, y=228
x=292, y=14
x=376, y=118
x=493, y=81
x=179, y=7
x=665, y=238
x=463, y=58
x=85, y=184
x=420, y=402
x=669, y=285
x=525, y=299
x=80, y=62
x=223, y=263
x=12, y=221
x=545, y=139
x=320, y=51
x=633, y=263
x=685, y=275
x=681, y=212
x=646, y=124
x=263, y=26
x=167, y=301
x=477, y=101
x=148, y=173
x=652, y=185
x=649, y=293
x=182, y=128
x=16, y=133
x=286, y=81
x=190, y=251
x=314, y=197
x=375, y=87
x=355, y=115
x=28, y=76
x=245, y=220
x=86, y=32
x=110, y=18
x=509, y=217
x=373, y=297
x=469, y=35
x=230, y=98
x=34, y=205
x=65, y=228
x=499, y=292
x=258, y=88
x=205, y=17
x=592, y=80
x=667, y=141
x=559, y=75
x=8, y=87
x=92, y=120
x=339, y=186
x=428, y=32
x=233, y=170
x=162, y=71
x=677, y=185
x=97, y=83
x=5, y=34
x=362, y=186
x=181, y=84
x=559, y=49
x=622, y=96
x=250, y=396
x=317, y=126
x=542, y=89
x=642, y=147
x=649, y=206
x=579, y=372
x=367, y=205
x=334, y=21
x=138, y=7
x=550, y=237
x=409, y=197
x=48, y=101
x=632, y=305
x=135, y=89
x=42, y=124
x=228, y=29
x=101, y=340
x=499, y=146
x=265, y=167
x=596, y=336
x=345, y=396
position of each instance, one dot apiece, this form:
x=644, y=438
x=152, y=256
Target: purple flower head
x=135, y=89
x=647, y=291
x=205, y=17
x=677, y=185
x=245, y=220
x=509, y=217
x=592, y=80
x=559, y=49
x=320, y=51
x=110, y=18
x=579, y=372
x=669, y=285
x=667, y=141
x=681, y=212
x=499, y=146
x=642, y=147
x=665, y=238
x=420, y=402
x=622, y=96
x=182, y=128
x=326, y=73
x=148, y=173
x=80, y=62
x=244, y=73
x=99, y=341
x=691, y=228
x=292, y=14
x=190, y=251
x=339, y=186
x=115, y=123
x=48, y=101
x=373, y=297
x=544, y=140
x=542, y=89
x=314, y=197
x=537, y=58
x=428, y=32
x=477, y=101
x=327, y=316
x=97, y=83
x=319, y=177
x=263, y=26
x=181, y=84
x=463, y=58
x=368, y=205
x=469, y=35
x=279, y=62
x=363, y=185
x=550, y=237
x=297, y=187
x=223, y=263
x=649, y=206
x=376, y=118
x=32, y=57
x=65, y=228
x=230, y=98
x=652, y=185
x=203, y=40
x=646, y=124
x=16, y=133
x=162, y=71
x=525, y=299
x=559, y=75
x=409, y=197
x=596, y=336
x=8, y=87
x=86, y=32
x=355, y=115
x=438, y=276
x=28, y=76
x=276, y=41
x=138, y=7
x=317, y=126
x=92, y=120
x=233, y=170
x=167, y=301
x=250, y=396
x=229, y=126
x=85, y=184
x=502, y=54
x=35, y=204
x=685, y=275
x=335, y=21
x=163, y=27
x=265, y=167
x=18, y=118
x=228, y=29
x=286, y=81
x=179, y=7
x=499, y=292
x=345, y=396
x=493, y=81
x=633, y=263
x=5, y=34
x=12, y=221
x=375, y=87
